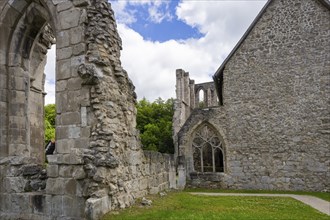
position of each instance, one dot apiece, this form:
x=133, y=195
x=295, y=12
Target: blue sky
x=162, y=25
x=161, y=36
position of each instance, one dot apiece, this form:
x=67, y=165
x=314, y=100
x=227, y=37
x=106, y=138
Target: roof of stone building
x=217, y=74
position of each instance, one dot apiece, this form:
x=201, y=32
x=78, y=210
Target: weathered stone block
x=18, y=149
x=74, y=132
x=55, y=205
x=19, y=203
x=61, y=104
x=71, y=118
x=56, y=2
x=78, y=173
x=17, y=109
x=77, y=36
x=63, y=146
x=73, y=206
x=76, y=61
x=63, y=53
x=18, y=83
x=62, y=132
x=61, y=186
x=81, y=142
x=14, y=184
x=52, y=171
x=74, y=84
x=76, y=156
x=69, y=18
x=63, y=69
x=85, y=97
x=84, y=119
x=65, y=171
x=61, y=85
x=38, y=203
x=54, y=186
x=17, y=122
x=134, y=157
x=63, y=39
x=73, y=101
x=143, y=184
x=64, y=6
x=80, y=3
x=95, y=208
x=18, y=96
x=54, y=159
x=154, y=190
x=78, y=49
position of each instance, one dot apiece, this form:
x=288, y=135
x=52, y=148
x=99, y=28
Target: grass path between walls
x=183, y=205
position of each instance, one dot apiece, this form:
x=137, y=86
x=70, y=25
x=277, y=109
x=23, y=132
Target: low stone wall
x=154, y=174
x=24, y=194
x=206, y=180
x=162, y=172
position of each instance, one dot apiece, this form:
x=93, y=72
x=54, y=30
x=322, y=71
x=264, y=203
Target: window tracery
x=208, y=154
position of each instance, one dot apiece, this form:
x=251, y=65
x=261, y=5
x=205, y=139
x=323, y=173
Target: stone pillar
x=181, y=172
x=181, y=177
x=208, y=97
x=214, y=98
x=192, y=94
x=172, y=175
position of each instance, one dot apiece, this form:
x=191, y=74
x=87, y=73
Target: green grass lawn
x=182, y=205
x=321, y=195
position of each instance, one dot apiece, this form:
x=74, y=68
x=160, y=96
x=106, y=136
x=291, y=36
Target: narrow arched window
x=208, y=152
x=201, y=98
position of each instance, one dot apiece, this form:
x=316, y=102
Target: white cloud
x=122, y=14
x=158, y=10
x=152, y=65
x=156, y=14
x=50, y=76
x=225, y=19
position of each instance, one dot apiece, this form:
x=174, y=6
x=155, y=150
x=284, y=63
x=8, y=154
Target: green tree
x=154, y=120
x=50, y=115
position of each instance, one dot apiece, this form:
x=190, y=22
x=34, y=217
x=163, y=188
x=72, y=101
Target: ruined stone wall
x=115, y=164
x=187, y=99
x=99, y=164
x=275, y=116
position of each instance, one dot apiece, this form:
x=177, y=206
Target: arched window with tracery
x=208, y=152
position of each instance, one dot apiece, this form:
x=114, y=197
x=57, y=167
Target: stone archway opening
x=26, y=35
x=49, y=102
x=41, y=130
x=98, y=151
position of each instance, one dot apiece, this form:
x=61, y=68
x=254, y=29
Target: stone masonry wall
x=276, y=97
x=275, y=115
x=99, y=164
x=115, y=163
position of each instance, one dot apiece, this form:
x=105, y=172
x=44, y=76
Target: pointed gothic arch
x=27, y=31
x=208, y=149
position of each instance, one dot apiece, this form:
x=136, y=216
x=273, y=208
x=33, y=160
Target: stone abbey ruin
x=263, y=124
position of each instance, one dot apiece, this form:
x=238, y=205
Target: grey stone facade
x=274, y=117
x=99, y=164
